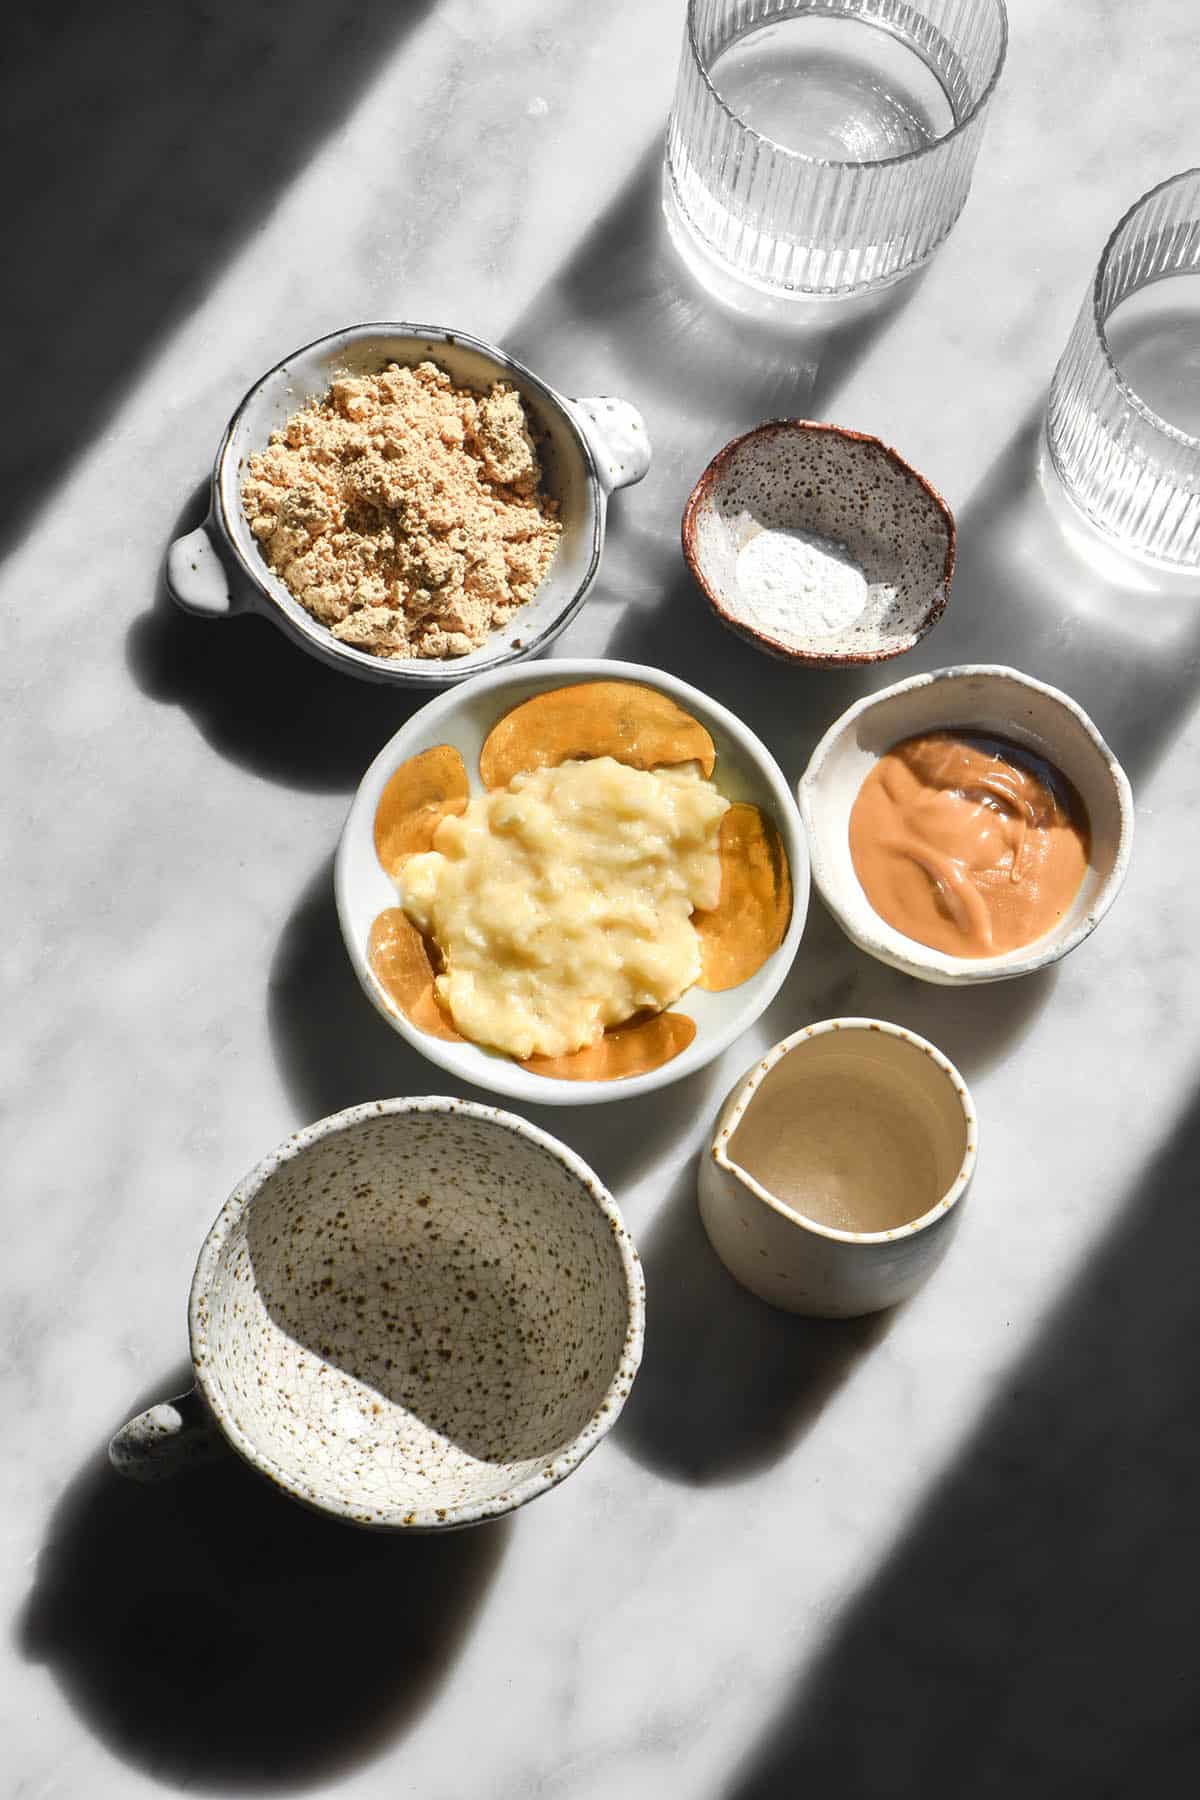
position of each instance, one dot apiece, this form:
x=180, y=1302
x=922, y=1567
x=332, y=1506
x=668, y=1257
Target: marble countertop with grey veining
x=950, y=1549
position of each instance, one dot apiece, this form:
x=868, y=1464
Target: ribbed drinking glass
x=1135, y=473
x=825, y=147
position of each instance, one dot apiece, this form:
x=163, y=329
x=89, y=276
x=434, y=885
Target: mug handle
x=202, y=578
x=167, y=1438
x=617, y=438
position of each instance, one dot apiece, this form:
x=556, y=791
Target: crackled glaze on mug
x=418, y=1314
x=415, y=1314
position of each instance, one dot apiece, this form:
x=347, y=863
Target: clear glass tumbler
x=825, y=147
x=1135, y=473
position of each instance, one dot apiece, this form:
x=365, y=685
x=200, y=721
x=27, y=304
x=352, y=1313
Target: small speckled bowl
x=416, y=1314
x=974, y=697
x=796, y=474
x=589, y=448
x=745, y=770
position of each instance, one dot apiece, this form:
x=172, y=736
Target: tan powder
x=404, y=513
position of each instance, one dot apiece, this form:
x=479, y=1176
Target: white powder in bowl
x=794, y=586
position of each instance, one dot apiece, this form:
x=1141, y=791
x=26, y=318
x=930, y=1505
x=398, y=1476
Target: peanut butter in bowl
x=969, y=843
x=967, y=825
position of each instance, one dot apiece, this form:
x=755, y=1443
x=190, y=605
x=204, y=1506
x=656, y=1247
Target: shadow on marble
x=331, y=1047
x=1037, y=588
x=623, y=313
x=218, y=1636
x=1122, y=642
x=704, y=1407
x=255, y=697
x=976, y=1029
x=1034, y=1633
x=157, y=138
x=624, y=304
x=625, y=316
x=1027, y=590
x=717, y=1405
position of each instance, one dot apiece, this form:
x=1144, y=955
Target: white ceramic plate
x=463, y=717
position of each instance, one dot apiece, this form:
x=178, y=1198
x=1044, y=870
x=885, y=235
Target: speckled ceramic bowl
x=588, y=448
x=843, y=486
x=977, y=697
x=745, y=770
x=416, y=1314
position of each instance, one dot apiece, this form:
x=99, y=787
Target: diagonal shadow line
x=715, y=1406
x=218, y=1637
x=624, y=296
x=333, y=1049
x=1028, y=589
x=1036, y=587
x=626, y=309
x=256, y=697
x=152, y=139
x=1036, y=1625
x=623, y=310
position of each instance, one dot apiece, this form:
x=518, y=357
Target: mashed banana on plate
x=601, y=873
x=562, y=904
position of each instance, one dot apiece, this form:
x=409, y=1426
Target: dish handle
x=166, y=1439
x=617, y=438
x=201, y=577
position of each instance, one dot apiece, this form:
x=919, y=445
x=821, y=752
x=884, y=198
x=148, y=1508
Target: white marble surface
x=954, y=1546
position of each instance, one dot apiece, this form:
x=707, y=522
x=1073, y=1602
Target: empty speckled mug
x=416, y=1314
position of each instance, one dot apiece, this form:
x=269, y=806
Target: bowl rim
x=814, y=659
x=511, y=1078
x=309, y=633
x=754, y=1079
x=554, y=1469
x=891, y=946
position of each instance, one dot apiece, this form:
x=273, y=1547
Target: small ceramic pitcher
x=832, y=1182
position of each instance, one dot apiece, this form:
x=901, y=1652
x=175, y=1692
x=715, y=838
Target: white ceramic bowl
x=414, y=1315
x=588, y=448
x=978, y=697
x=463, y=717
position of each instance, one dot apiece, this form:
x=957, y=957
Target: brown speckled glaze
x=417, y=1314
x=840, y=484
